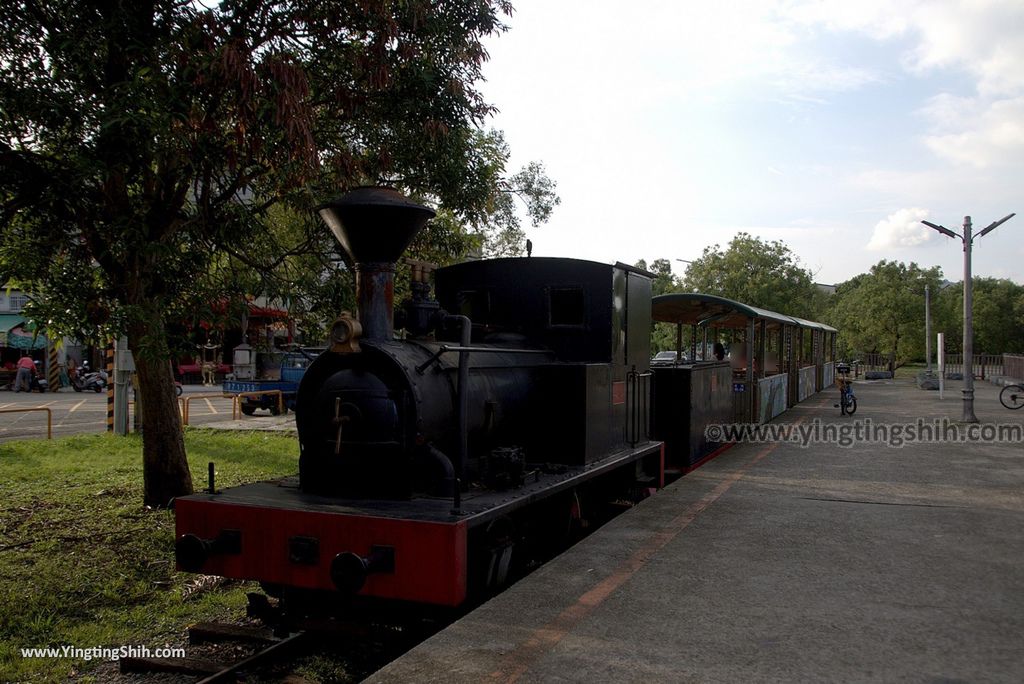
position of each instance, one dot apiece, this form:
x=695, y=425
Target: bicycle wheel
x=851, y=405
x=1012, y=396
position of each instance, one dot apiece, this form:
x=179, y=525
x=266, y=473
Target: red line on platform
x=519, y=660
x=710, y=457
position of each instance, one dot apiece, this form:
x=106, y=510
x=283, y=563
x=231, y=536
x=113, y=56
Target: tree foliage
x=758, y=273
x=882, y=311
x=144, y=145
x=663, y=335
x=998, y=315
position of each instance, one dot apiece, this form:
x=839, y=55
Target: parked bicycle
x=1012, y=396
x=847, y=400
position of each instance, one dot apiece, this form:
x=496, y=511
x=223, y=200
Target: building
x=17, y=333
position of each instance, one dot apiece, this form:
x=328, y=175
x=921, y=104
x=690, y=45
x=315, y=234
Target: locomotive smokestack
x=375, y=225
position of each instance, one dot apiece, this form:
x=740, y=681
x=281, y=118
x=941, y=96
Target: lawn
x=84, y=563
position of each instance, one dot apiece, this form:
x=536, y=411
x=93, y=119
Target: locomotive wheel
x=248, y=410
x=275, y=411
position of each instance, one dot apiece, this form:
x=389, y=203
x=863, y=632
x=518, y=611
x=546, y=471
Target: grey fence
x=1013, y=366
x=863, y=363
x=985, y=365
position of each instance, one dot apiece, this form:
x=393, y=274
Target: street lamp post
x=928, y=329
x=968, y=346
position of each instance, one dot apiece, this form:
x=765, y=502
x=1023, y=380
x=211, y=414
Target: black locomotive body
x=548, y=369
x=432, y=465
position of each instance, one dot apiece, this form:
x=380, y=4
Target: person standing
x=26, y=368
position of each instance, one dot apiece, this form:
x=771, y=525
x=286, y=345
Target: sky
x=834, y=126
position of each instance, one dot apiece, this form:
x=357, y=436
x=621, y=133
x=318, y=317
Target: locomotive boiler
x=375, y=416
x=434, y=465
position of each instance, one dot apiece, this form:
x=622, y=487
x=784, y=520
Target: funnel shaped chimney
x=375, y=225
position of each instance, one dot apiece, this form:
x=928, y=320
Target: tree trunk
x=165, y=470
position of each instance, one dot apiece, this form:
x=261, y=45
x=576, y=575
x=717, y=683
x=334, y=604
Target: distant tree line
x=880, y=312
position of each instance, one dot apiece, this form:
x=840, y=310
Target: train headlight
x=345, y=334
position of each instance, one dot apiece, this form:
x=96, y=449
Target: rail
x=866, y=362
x=985, y=365
x=236, y=405
x=49, y=417
x=447, y=348
x=1013, y=366
x=184, y=415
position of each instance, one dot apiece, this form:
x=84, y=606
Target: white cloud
x=901, y=229
x=983, y=40
x=966, y=131
x=879, y=19
x=980, y=38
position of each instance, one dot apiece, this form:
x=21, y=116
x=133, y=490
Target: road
x=76, y=413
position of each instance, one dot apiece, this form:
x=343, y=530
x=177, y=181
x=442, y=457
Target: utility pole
x=968, y=346
x=928, y=328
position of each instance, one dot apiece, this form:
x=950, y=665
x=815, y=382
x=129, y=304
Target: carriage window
x=565, y=306
x=476, y=304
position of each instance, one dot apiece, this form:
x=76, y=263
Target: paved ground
x=776, y=562
x=86, y=412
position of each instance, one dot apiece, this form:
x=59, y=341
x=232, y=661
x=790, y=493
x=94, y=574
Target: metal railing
x=236, y=405
x=236, y=402
x=985, y=365
x=184, y=415
x=1013, y=366
x=49, y=417
x=871, y=362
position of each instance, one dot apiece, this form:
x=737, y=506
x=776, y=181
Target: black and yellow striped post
x=52, y=368
x=110, y=386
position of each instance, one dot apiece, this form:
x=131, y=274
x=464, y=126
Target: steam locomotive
x=435, y=467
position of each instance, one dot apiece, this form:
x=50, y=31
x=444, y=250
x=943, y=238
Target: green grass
x=909, y=371
x=84, y=563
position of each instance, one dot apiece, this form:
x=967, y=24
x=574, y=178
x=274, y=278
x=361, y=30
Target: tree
x=882, y=311
x=496, y=230
x=755, y=272
x=998, y=312
x=663, y=335
x=141, y=142
x=664, y=280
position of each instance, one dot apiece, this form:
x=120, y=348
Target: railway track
x=257, y=653
x=272, y=651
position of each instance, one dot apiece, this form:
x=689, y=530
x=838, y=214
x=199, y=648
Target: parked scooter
x=86, y=380
x=37, y=383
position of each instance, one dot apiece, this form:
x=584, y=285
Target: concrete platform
x=777, y=562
